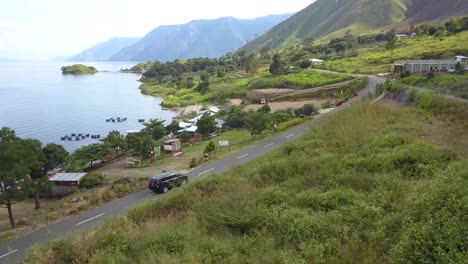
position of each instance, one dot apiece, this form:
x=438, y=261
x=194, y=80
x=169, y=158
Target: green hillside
x=337, y=17
x=376, y=59
x=371, y=184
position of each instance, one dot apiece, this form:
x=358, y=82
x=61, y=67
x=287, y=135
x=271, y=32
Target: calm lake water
x=38, y=102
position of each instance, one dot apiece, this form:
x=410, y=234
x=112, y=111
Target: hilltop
x=327, y=19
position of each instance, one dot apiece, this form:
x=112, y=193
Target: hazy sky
x=43, y=29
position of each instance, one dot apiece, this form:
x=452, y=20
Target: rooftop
x=67, y=177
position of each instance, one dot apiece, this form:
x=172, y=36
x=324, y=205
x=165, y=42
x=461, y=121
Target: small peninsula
x=78, y=69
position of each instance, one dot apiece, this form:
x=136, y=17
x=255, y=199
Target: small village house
x=64, y=183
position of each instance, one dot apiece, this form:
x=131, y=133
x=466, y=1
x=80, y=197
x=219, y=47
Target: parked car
x=163, y=182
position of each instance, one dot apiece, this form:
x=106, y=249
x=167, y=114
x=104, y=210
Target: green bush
x=293, y=122
x=171, y=242
x=92, y=180
x=210, y=147
x=436, y=229
x=309, y=109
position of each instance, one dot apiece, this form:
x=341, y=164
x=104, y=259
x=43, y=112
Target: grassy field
x=301, y=80
x=377, y=59
x=237, y=85
x=451, y=84
x=375, y=183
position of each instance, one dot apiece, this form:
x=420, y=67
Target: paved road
x=17, y=249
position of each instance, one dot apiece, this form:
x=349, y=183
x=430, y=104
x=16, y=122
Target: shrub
x=299, y=112
x=185, y=136
x=430, y=75
x=309, y=109
x=281, y=116
x=264, y=109
x=436, y=231
x=236, y=120
x=210, y=147
x=91, y=181
x=171, y=242
x=293, y=122
x=327, y=104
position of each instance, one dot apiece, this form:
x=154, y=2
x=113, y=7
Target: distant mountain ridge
x=199, y=38
x=335, y=17
x=105, y=50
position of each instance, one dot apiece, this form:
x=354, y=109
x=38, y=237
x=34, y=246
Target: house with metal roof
x=65, y=183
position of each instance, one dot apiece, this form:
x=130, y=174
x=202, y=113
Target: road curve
x=16, y=250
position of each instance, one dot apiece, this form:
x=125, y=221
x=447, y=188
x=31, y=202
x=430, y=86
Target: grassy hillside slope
x=377, y=59
x=325, y=17
x=375, y=183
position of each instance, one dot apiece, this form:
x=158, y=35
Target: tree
x=8, y=135
x=454, y=25
x=276, y=66
x=204, y=85
x=236, y=120
x=392, y=40
x=257, y=122
x=116, y=140
x=35, y=161
x=264, y=109
x=18, y=158
x=173, y=126
x=145, y=146
x=55, y=156
x=206, y=124
x=13, y=170
x=88, y=154
x=251, y=64
x=155, y=128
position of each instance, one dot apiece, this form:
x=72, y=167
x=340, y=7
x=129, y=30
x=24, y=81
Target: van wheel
x=165, y=189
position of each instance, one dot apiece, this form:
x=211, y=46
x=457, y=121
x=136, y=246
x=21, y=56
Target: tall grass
x=361, y=187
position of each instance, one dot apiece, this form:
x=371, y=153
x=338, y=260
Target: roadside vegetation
x=450, y=84
x=375, y=183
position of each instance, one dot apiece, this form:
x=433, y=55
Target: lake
x=38, y=102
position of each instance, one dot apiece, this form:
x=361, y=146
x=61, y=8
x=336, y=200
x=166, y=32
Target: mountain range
x=199, y=38
x=325, y=19
x=104, y=50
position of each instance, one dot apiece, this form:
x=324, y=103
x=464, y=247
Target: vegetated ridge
x=104, y=50
x=200, y=38
x=337, y=17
